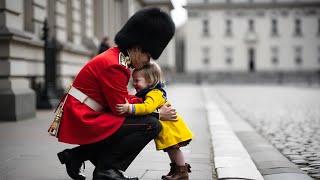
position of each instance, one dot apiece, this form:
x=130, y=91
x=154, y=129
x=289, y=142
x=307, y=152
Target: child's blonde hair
x=152, y=73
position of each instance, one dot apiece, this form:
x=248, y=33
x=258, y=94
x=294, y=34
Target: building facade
x=75, y=28
x=252, y=36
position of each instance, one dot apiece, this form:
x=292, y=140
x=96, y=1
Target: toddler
x=175, y=134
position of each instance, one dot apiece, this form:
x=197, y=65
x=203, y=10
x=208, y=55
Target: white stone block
x=13, y=21
x=14, y=5
x=89, y=32
x=76, y=28
x=223, y=162
x=76, y=4
x=39, y=13
x=60, y=7
x=18, y=83
x=42, y=3
x=88, y=2
x=68, y=69
x=239, y=173
x=77, y=39
x=76, y=16
x=89, y=23
x=26, y=68
x=61, y=35
x=61, y=21
x=25, y=51
x=89, y=11
x=72, y=58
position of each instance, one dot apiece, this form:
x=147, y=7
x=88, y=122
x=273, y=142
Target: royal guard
x=88, y=115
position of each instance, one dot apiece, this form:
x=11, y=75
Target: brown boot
x=181, y=173
x=188, y=167
x=173, y=168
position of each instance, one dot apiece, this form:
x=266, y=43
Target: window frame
x=251, y=25
x=298, y=53
x=275, y=55
x=205, y=27
x=297, y=27
x=228, y=27
x=274, y=27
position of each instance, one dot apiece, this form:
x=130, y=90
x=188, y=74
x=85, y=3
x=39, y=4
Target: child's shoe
x=180, y=173
x=173, y=168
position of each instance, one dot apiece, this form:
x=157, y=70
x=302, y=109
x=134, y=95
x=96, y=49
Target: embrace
x=110, y=126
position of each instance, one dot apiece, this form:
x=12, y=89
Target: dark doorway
x=252, y=57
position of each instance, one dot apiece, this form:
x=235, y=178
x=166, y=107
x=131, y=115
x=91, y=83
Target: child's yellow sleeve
x=154, y=99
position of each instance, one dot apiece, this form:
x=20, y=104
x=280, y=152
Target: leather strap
x=83, y=98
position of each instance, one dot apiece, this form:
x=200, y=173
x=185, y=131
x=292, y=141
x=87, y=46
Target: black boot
x=73, y=165
x=110, y=174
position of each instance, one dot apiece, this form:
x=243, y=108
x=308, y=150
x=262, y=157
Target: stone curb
x=231, y=159
x=269, y=161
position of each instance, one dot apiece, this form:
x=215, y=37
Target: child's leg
x=171, y=157
x=176, y=156
x=172, y=166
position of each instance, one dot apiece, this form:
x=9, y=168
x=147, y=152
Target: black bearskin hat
x=151, y=29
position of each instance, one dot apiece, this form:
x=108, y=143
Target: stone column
x=17, y=100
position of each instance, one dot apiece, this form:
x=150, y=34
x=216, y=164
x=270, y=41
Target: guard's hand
x=123, y=108
x=167, y=113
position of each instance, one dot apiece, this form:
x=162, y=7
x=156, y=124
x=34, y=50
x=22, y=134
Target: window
x=28, y=16
x=205, y=29
x=69, y=21
x=251, y=25
x=275, y=55
x=318, y=27
x=206, y=60
x=297, y=27
x=206, y=54
x=228, y=55
x=228, y=27
x=274, y=27
x=298, y=55
x=319, y=54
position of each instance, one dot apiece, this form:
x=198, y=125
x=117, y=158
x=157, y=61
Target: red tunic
x=104, y=80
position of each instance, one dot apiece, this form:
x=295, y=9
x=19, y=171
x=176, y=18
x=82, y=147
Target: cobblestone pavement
x=288, y=117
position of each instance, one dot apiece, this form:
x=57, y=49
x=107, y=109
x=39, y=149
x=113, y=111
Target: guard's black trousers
x=119, y=150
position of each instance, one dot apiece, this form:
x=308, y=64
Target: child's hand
x=123, y=108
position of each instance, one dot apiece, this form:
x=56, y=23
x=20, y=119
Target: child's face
x=139, y=81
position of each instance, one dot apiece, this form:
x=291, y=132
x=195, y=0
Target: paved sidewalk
x=27, y=152
x=232, y=148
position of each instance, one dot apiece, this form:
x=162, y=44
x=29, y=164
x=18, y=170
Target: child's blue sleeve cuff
x=133, y=109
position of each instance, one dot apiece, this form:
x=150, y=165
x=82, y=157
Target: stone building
x=75, y=29
x=245, y=36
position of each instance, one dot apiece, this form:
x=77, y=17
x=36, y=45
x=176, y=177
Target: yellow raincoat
x=173, y=132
